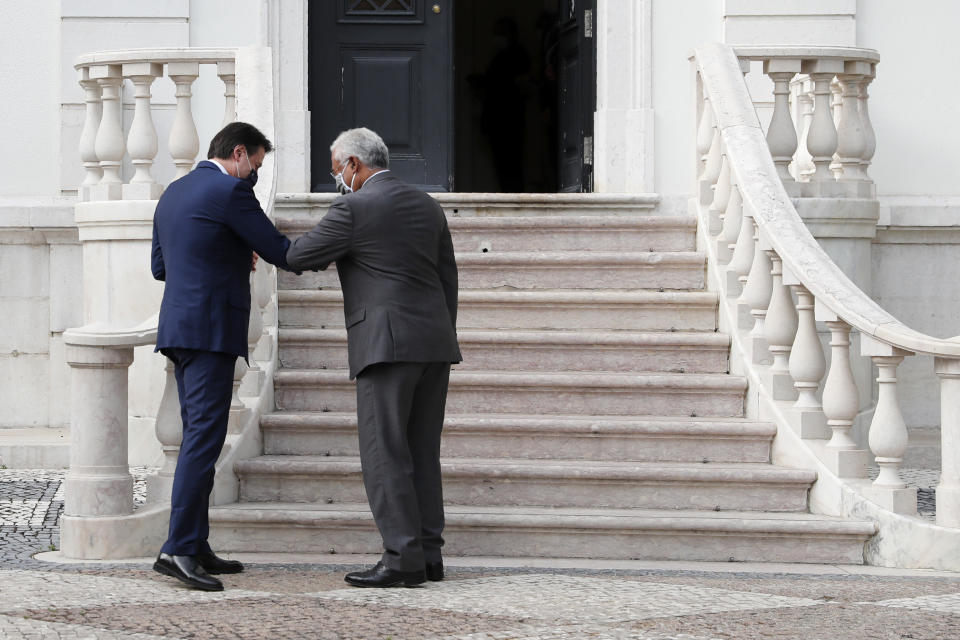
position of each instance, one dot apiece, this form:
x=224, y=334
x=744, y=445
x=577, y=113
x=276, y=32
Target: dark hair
x=235, y=133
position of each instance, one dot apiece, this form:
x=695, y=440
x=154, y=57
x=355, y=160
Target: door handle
x=436, y=8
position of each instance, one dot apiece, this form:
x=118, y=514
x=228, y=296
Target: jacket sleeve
x=245, y=217
x=156, y=256
x=447, y=268
x=328, y=241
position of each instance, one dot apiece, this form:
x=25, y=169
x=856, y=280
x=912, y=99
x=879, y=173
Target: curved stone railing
x=114, y=219
x=759, y=251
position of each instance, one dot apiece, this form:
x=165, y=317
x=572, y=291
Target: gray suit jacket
x=395, y=260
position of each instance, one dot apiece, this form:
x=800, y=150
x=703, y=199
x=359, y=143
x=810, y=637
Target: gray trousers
x=400, y=408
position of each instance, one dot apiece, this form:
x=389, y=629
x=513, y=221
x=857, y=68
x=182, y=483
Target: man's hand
x=253, y=264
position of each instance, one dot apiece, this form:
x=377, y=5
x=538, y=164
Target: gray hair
x=364, y=144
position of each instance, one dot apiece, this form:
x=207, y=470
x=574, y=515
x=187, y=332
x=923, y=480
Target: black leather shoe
x=214, y=565
x=187, y=570
x=435, y=571
x=381, y=576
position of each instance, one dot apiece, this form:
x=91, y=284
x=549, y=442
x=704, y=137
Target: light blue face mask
x=342, y=186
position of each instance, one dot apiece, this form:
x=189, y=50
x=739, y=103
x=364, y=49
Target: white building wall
x=29, y=80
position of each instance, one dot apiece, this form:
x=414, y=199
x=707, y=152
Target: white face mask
x=342, y=186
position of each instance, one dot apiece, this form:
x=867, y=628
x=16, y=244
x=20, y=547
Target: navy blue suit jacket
x=204, y=228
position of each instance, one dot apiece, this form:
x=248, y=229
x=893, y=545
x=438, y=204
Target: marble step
x=642, y=439
x=312, y=206
x=571, y=310
x=674, y=352
x=628, y=534
x=552, y=270
x=548, y=483
x=554, y=233
x=682, y=394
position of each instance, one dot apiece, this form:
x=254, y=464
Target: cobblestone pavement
x=112, y=601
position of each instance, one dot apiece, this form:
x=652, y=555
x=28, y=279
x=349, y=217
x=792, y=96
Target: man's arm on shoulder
x=328, y=241
x=156, y=256
x=247, y=219
x=447, y=268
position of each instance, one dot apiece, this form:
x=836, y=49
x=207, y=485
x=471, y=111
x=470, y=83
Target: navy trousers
x=205, y=386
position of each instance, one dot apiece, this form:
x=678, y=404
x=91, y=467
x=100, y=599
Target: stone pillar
x=623, y=124
x=99, y=481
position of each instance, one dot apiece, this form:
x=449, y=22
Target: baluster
x=109, y=141
x=782, y=135
x=711, y=169
x=780, y=330
x=184, y=142
x=948, y=490
x=732, y=220
x=888, y=432
x=238, y=410
x=704, y=134
x=142, y=139
x=851, y=137
x=88, y=138
x=840, y=405
x=807, y=365
x=756, y=297
x=822, y=138
x=721, y=196
x=265, y=286
x=254, y=375
x=836, y=104
x=870, y=137
x=803, y=161
x=742, y=258
x=226, y=69
x=169, y=428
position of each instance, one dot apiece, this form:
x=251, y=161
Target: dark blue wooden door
x=386, y=65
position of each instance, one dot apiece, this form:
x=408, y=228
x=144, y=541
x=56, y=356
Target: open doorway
x=506, y=96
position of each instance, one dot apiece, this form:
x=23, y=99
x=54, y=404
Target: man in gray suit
x=396, y=265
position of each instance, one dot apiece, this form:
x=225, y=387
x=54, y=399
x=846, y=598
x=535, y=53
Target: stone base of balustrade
x=759, y=350
x=115, y=537
x=810, y=424
x=159, y=488
x=901, y=500
x=106, y=192
x=846, y=463
x=723, y=251
x=793, y=188
x=705, y=192
x=948, y=506
x=733, y=286
x=237, y=420
x=780, y=385
x=745, y=321
x=252, y=382
x=142, y=191
x=715, y=221
x=824, y=189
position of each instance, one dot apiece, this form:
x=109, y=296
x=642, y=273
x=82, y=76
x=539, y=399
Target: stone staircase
x=593, y=415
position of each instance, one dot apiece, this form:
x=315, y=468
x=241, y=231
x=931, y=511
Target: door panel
x=577, y=95
x=386, y=65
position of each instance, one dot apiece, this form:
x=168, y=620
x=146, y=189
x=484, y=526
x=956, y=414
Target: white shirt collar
x=222, y=168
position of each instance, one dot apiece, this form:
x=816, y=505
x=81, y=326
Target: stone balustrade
x=761, y=255
x=103, y=146
x=820, y=135
x=114, y=217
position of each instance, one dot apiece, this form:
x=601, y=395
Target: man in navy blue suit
x=206, y=228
